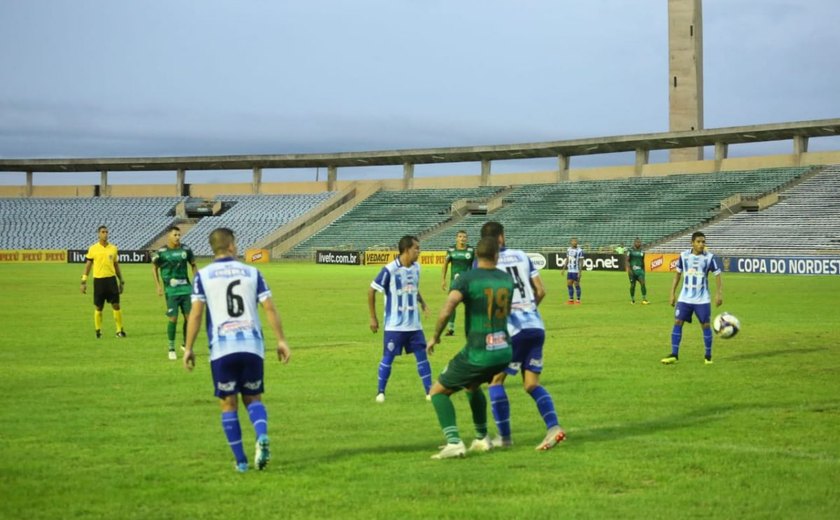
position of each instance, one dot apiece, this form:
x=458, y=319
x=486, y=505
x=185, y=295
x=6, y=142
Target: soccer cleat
x=645, y=302
x=451, y=451
x=501, y=442
x=429, y=397
x=241, y=467
x=481, y=445
x=121, y=334
x=577, y=302
x=172, y=355
x=632, y=302
x=380, y=397
x=570, y=302
x=98, y=333
x=554, y=436
x=450, y=332
x=263, y=454
x=708, y=361
x=183, y=347
x=669, y=360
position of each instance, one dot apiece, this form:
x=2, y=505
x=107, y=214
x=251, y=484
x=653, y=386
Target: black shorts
x=105, y=290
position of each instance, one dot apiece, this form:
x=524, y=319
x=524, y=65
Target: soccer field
x=111, y=428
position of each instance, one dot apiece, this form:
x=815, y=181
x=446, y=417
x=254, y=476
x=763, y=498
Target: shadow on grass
x=772, y=353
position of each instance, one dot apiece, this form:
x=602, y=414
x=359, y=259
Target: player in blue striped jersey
x=399, y=282
x=574, y=265
x=527, y=332
x=230, y=291
x=694, y=266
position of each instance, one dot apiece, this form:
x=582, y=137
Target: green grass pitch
x=111, y=428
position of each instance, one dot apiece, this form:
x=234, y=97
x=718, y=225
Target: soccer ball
x=726, y=325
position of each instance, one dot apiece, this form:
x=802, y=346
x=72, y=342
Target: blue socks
x=424, y=369
x=707, y=341
x=676, y=338
x=259, y=417
x=545, y=406
x=230, y=424
x=500, y=406
x=571, y=292
x=384, y=372
x=577, y=288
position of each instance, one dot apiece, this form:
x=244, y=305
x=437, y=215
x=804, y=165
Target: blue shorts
x=527, y=351
x=394, y=342
x=237, y=373
x=685, y=310
x=573, y=276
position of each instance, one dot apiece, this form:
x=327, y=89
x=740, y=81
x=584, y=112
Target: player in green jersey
x=635, y=266
x=461, y=257
x=171, y=260
x=486, y=293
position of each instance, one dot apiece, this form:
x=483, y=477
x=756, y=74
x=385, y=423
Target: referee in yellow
x=102, y=256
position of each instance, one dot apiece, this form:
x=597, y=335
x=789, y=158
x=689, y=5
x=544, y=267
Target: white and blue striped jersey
x=401, y=287
x=523, y=308
x=574, y=259
x=695, y=270
x=231, y=291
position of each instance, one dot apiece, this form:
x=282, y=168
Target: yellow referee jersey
x=104, y=258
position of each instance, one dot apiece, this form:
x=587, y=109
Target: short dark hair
x=406, y=242
x=100, y=228
x=461, y=231
x=492, y=229
x=220, y=239
x=697, y=234
x=173, y=228
x=487, y=248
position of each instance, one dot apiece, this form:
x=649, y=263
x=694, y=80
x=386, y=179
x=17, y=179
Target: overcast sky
x=93, y=78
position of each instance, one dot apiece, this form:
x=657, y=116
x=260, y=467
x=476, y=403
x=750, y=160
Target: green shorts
x=637, y=276
x=178, y=301
x=460, y=373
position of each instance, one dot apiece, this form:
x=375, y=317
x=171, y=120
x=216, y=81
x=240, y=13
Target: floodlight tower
x=685, y=64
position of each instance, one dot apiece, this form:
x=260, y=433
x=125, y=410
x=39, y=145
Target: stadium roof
x=570, y=148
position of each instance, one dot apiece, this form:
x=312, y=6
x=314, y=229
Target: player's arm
x=374, y=321
x=273, y=317
x=157, y=279
x=193, y=324
x=119, y=274
x=88, y=265
x=627, y=263
x=539, y=289
x=446, y=263
x=719, y=289
x=674, y=284
x=452, y=301
x=422, y=302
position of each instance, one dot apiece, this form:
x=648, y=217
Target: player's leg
x=683, y=314
x=171, y=324
x=389, y=351
x=570, y=286
x=500, y=406
x=577, y=287
x=417, y=345
x=644, y=289
x=225, y=376
x=98, y=304
x=252, y=390
x=114, y=298
x=632, y=288
x=478, y=407
x=453, y=377
x=704, y=314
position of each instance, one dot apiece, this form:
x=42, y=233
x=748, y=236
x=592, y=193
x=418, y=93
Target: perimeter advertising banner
x=591, y=262
x=257, y=256
x=807, y=265
x=661, y=262
x=125, y=256
x=39, y=256
x=338, y=257
x=383, y=257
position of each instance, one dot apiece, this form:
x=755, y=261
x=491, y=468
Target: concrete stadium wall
x=463, y=181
